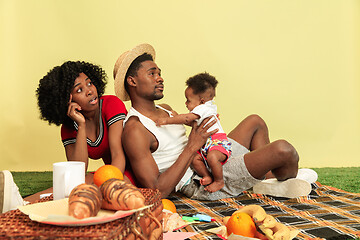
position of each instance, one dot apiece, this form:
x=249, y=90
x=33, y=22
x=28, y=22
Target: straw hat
x=122, y=65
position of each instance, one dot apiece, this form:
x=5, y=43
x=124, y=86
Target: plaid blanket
x=327, y=213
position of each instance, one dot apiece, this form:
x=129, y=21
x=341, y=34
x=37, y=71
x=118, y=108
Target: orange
x=168, y=205
x=105, y=173
x=241, y=224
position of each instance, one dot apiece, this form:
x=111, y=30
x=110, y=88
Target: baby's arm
x=186, y=118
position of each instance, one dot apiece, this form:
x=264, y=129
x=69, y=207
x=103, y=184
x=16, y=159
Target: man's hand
x=199, y=134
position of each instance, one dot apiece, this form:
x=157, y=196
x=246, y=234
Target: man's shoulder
x=135, y=132
x=166, y=106
x=134, y=126
x=133, y=122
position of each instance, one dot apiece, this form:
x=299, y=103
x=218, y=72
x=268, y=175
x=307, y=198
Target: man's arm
x=137, y=142
x=186, y=118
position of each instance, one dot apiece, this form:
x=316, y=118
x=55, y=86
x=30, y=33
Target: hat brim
x=122, y=65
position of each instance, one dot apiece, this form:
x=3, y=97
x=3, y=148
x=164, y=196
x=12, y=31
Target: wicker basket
x=16, y=225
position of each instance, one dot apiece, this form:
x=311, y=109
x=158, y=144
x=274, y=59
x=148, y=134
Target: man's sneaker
x=290, y=188
x=307, y=174
x=10, y=196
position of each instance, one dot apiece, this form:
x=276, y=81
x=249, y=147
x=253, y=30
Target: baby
x=199, y=95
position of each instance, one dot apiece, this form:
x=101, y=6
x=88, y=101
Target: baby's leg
x=200, y=168
x=214, y=159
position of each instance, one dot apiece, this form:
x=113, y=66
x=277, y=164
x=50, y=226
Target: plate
x=56, y=213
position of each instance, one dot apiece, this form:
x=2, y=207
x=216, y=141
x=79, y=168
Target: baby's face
x=192, y=100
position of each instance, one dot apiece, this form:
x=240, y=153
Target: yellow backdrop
x=295, y=63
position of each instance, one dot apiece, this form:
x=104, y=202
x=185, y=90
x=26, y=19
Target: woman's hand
x=199, y=134
x=74, y=112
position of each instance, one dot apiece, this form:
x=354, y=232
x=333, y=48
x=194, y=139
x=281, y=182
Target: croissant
x=119, y=195
x=85, y=201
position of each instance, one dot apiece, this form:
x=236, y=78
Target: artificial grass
x=347, y=179
x=32, y=182
x=343, y=178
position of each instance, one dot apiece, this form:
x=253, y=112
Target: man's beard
x=157, y=96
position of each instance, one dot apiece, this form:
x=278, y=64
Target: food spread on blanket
x=327, y=213
x=249, y=221
x=267, y=224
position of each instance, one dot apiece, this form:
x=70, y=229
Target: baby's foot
x=215, y=186
x=206, y=180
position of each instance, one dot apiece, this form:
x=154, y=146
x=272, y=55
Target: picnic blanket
x=327, y=213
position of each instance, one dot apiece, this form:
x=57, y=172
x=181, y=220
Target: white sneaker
x=10, y=196
x=291, y=188
x=307, y=174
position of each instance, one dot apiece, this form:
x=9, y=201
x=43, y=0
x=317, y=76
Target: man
x=160, y=156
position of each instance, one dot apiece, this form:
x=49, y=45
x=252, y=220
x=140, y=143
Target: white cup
x=66, y=176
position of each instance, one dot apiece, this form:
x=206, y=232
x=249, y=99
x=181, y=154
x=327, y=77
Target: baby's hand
x=160, y=121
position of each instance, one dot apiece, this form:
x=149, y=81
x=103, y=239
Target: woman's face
x=84, y=93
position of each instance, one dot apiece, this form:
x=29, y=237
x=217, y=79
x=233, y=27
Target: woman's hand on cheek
x=74, y=112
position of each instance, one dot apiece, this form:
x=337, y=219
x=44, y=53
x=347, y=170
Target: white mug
x=66, y=176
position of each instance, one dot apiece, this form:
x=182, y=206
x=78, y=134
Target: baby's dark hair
x=134, y=67
x=201, y=82
x=53, y=92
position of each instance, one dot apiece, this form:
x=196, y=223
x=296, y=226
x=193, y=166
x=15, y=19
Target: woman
x=71, y=95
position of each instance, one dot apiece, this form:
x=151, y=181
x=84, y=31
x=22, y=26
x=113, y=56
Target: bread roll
x=119, y=195
x=85, y=201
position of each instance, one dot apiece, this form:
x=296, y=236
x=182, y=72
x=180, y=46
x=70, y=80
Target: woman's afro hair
x=53, y=92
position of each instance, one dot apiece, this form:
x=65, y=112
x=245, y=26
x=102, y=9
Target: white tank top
x=171, y=142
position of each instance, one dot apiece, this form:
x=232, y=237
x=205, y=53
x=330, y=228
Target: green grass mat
x=343, y=178
x=347, y=179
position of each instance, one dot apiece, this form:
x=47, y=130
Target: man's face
x=149, y=83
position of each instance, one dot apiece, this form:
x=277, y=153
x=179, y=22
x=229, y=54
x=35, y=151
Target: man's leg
x=279, y=157
x=278, y=160
x=253, y=134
